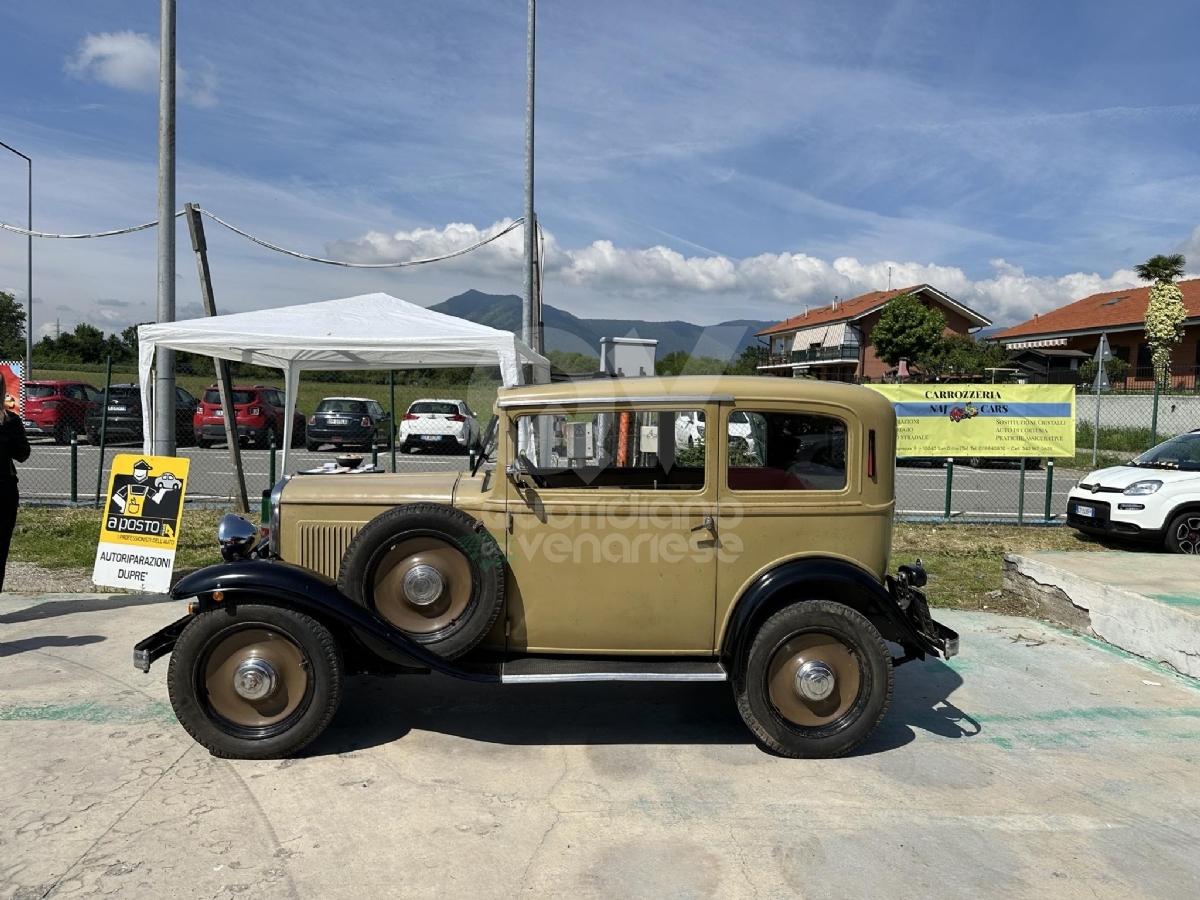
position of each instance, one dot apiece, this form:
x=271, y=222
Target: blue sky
x=697, y=160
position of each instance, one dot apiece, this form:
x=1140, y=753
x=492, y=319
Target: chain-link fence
x=76, y=429
x=430, y=426
x=1034, y=490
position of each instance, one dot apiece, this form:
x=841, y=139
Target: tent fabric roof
x=371, y=331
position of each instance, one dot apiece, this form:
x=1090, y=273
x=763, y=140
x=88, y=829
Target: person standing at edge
x=14, y=448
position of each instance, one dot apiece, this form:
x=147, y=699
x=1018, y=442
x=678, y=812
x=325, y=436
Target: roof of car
x=55, y=381
x=437, y=400
x=359, y=399
x=246, y=387
x=693, y=389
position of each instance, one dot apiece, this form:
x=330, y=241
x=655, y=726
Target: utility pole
x=528, y=325
x=164, y=375
x=28, y=265
x=200, y=246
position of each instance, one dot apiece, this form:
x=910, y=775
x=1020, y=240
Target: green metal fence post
x=103, y=430
x=1154, y=415
x=1049, y=486
x=74, y=466
x=374, y=453
x=949, y=483
x=392, y=411
x=271, y=466
x=1021, y=496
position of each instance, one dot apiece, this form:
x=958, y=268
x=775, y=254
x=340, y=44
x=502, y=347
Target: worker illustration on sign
x=135, y=496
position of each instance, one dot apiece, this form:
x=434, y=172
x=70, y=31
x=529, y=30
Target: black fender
x=302, y=589
x=819, y=578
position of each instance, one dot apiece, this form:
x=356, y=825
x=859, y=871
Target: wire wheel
x=446, y=595
x=813, y=679
x=253, y=678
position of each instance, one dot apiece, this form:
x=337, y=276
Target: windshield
x=125, y=395
x=440, y=409
x=1181, y=452
x=213, y=396
x=353, y=407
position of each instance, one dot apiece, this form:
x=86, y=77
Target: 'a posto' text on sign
x=997, y=420
x=140, y=528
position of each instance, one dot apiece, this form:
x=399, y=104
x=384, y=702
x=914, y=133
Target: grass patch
x=58, y=538
x=964, y=561
x=1126, y=440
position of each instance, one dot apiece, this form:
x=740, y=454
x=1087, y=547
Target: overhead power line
x=329, y=262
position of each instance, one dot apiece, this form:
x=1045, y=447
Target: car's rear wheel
x=255, y=681
x=202, y=443
x=1183, y=533
x=431, y=571
x=311, y=446
x=269, y=436
x=816, y=681
x=977, y=462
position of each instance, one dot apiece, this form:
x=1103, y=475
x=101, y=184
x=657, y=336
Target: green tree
x=572, y=362
x=12, y=327
x=959, y=355
x=748, y=361
x=907, y=329
x=1165, y=313
x=1161, y=268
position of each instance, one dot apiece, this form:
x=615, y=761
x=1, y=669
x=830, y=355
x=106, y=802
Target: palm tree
x=1161, y=268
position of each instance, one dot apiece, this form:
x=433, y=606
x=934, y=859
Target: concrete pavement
x=1037, y=764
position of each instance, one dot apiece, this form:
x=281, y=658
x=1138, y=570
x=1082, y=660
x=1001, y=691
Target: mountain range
x=565, y=331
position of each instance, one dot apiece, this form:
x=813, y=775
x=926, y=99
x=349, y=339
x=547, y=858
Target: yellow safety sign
x=140, y=528
x=999, y=420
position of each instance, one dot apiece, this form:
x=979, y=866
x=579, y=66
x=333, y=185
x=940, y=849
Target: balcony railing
x=840, y=353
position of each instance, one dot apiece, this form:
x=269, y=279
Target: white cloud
x=1010, y=295
x=128, y=60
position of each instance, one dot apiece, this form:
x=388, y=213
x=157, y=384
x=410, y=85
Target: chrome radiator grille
x=323, y=545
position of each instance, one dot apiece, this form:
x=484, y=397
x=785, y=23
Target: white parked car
x=1154, y=497
x=689, y=430
x=448, y=426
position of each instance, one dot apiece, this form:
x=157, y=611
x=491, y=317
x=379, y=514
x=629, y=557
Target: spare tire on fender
x=431, y=571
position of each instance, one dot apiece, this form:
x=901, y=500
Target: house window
x=1145, y=367
x=1122, y=353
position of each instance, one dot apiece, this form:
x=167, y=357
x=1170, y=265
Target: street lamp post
x=28, y=267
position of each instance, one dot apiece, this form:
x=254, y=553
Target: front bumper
x=1108, y=519
x=915, y=607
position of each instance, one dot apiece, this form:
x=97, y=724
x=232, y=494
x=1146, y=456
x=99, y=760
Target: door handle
x=707, y=524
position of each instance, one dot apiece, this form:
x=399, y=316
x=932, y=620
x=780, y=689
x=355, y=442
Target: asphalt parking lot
x=920, y=491
x=1036, y=764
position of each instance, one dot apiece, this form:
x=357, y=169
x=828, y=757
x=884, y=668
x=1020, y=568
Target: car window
x=125, y=395
x=775, y=451
x=73, y=392
x=40, y=390
x=349, y=407
x=613, y=448
x=434, y=407
x=375, y=409
x=183, y=398
x=93, y=394
x=213, y=396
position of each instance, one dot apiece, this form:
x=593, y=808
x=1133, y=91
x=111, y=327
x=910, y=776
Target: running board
x=542, y=669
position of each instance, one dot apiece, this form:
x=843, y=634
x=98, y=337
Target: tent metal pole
x=392, y=412
x=528, y=325
x=241, y=500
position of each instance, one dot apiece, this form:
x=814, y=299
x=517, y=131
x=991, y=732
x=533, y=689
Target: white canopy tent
x=371, y=331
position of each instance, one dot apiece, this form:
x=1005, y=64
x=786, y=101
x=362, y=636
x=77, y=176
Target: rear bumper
x=325, y=435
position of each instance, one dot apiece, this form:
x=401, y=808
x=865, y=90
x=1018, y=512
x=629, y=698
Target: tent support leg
x=241, y=501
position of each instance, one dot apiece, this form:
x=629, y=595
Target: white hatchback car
x=1154, y=497
x=445, y=425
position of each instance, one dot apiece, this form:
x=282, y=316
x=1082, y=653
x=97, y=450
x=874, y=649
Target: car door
x=610, y=553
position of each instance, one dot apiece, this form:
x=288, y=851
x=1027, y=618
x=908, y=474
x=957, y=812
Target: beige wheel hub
x=422, y=585
x=813, y=679
x=256, y=677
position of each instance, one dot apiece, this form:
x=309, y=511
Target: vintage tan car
x=586, y=542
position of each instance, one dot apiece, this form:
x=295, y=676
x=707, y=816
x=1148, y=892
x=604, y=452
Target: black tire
x=203, y=444
x=62, y=433
x=93, y=436
x=458, y=546
x=311, y=446
x=836, y=729
x=977, y=462
x=1183, y=532
x=189, y=677
x=269, y=436
x=1033, y=462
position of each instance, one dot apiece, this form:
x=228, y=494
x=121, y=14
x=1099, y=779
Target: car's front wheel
x=255, y=681
x=1183, y=533
x=816, y=680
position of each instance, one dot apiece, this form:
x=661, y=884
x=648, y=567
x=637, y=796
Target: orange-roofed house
x=1119, y=314
x=834, y=342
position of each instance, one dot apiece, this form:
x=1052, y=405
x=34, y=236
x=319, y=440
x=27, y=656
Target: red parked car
x=260, y=412
x=58, y=408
